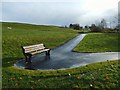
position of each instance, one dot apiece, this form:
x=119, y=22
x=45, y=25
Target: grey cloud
x=50, y=13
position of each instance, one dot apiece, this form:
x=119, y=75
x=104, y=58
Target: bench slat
x=40, y=51
x=37, y=45
x=33, y=48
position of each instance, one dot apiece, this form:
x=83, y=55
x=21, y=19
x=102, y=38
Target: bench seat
x=39, y=51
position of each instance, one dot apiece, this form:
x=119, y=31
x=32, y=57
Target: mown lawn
x=26, y=34
x=103, y=75
x=99, y=42
x=99, y=75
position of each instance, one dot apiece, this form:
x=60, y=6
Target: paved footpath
x=62, y=57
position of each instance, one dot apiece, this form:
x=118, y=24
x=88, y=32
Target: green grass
x=100, y=75
x=99, y=42
x=26, y=34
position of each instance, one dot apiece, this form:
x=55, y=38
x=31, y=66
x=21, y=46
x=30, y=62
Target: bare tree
x=103, y=24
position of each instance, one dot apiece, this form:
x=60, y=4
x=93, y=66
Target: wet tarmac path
x=62, y=57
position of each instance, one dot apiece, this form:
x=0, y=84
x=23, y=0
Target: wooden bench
x=31, y=50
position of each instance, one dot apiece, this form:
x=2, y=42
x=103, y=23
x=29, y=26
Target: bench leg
x=48, y=52
x=28, y=58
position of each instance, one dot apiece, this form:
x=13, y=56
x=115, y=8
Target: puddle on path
x=62, y=57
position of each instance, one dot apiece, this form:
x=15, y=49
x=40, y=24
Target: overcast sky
x=59, y=12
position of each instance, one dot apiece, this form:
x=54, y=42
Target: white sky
x=59, y=12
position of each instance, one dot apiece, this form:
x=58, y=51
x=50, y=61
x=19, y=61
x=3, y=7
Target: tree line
x=102, y=25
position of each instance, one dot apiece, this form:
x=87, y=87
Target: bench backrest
x=32, y=48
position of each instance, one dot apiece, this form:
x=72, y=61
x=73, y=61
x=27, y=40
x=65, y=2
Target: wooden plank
x=32, y=48
x=40, y=51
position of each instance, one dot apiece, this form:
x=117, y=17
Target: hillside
x=102, y=75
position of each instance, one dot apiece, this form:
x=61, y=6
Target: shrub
x=94, y=28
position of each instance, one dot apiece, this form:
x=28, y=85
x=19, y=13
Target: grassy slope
x=100, y=75
x=99, y=42
x=26, y=34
